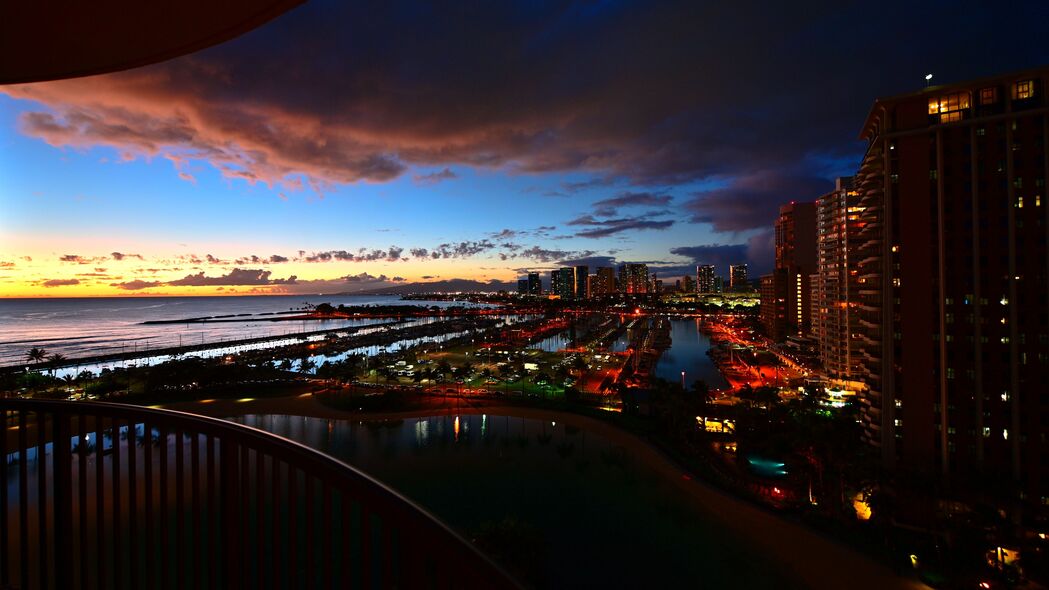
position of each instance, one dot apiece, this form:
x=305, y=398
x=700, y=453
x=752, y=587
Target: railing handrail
x=313, y=462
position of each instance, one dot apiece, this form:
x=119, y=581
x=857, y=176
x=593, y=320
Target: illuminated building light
x=861, y=506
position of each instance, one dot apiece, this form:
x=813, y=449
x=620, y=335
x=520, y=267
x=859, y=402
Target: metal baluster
x=41, y=494
x=62, y=468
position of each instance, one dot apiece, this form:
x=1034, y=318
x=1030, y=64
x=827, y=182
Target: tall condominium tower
x=786, y=293
x=579, y=281
x=953, y=283
x=705, y=278
x=835, y=282
x=737, y=277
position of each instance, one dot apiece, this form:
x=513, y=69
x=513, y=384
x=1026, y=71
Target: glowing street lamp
x=928, y=79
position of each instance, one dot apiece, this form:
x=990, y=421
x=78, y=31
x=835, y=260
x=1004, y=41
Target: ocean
x=79, y=327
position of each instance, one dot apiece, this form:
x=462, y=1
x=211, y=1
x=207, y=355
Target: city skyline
x=223, y=173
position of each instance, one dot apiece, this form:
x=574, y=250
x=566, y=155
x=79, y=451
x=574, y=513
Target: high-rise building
x=719, y=284
x=953, y=283
x=535, y=285
x=633, y=278
x=790, y=309
x=705, y=278
x=604, y=282
x=579, y=281
x=737, y=277
x=562, y=283
x=687, y=284
x=835, y=284
x=522, y=286
x=773, y=303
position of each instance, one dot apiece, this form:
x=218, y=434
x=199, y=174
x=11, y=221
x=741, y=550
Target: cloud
x=58, y=282
x=753, y=201
x=362, y=255
x=235, y=277
x=634, y=92
x=120, y=256
x=716, y=254
x=78, y=259
x=591, y=261
x=758, y=252
x=136, y=285
x=369, y=278
x=434, y=177
x=6, y=264
x=609, y=207
x=611, y=227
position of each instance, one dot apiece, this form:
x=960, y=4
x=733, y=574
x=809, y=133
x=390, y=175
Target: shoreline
x=811, y=558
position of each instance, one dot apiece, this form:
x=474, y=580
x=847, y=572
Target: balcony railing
x=99, y=495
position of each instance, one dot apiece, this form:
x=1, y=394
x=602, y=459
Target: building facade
x=535, y=285
x=579, y=277
x=737, y=277
x=835, y=284
x=788, y=311
x=705, y=278
x=633, y=278
x=953, y=283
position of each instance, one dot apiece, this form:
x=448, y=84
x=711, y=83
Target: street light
x=928, y=79
x=682, y=380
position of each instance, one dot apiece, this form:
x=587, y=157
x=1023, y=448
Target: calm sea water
x=594, y=515
x=79, y=327
x=688, y=353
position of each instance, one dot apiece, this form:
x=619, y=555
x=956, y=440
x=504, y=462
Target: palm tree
x=36, y=355
x=55, y=360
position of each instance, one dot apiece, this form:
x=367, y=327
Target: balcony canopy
x=56, y=39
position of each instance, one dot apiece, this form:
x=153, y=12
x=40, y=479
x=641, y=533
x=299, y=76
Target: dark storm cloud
x=646, y=93
x=753, y=201
x=716, y=254
x=235, y=277
x=756, y=252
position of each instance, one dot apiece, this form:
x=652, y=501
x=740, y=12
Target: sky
x=354, y=146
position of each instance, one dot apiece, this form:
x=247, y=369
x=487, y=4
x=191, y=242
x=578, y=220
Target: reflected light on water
x=422, y=432
x=457, y=429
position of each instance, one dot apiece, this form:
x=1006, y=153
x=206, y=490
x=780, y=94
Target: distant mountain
x=449, y=286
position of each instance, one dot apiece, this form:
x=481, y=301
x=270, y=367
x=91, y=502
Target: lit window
x=1005, y=433
x=986, y=431
x=949, y=103
x=1022, y=90
x=950, y=117
x=1019, y=202
x=988, y=95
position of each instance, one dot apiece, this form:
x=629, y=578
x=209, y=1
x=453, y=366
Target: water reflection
x=688, y=353
x=582, y=497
